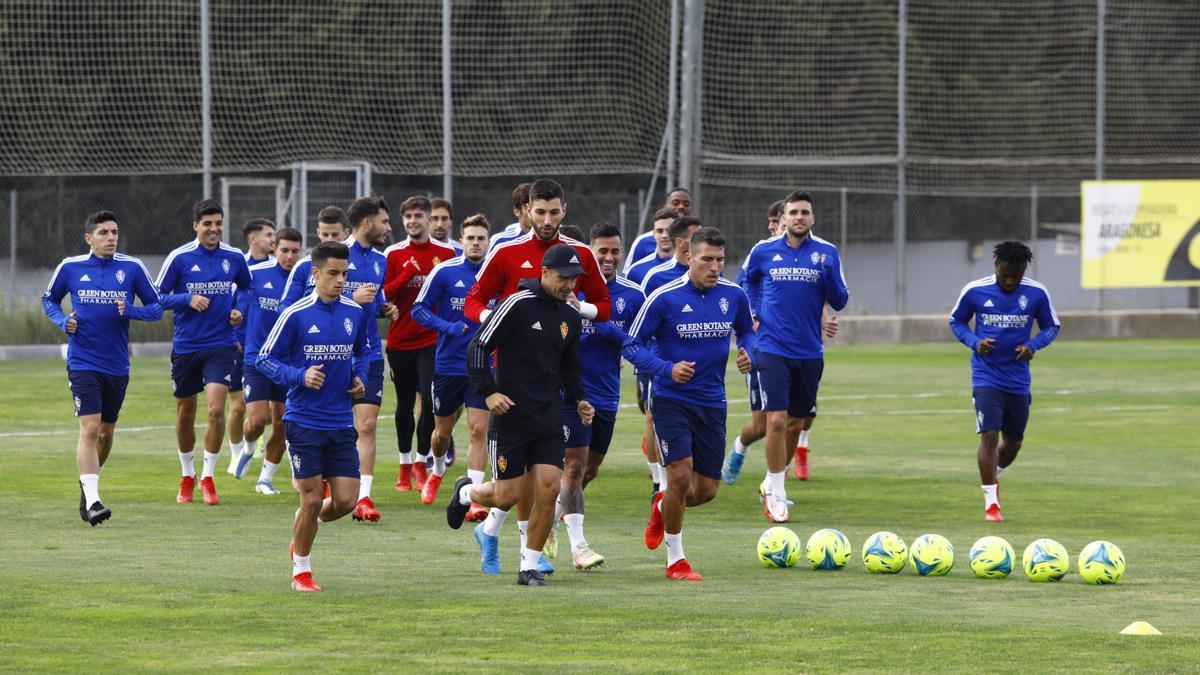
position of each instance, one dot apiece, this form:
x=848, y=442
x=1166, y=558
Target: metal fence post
x=901, y=215
x=447, y=109
x=845, y=218
x=1033, y=224
x=672, y=96
x=12, y=243
x=206, y=98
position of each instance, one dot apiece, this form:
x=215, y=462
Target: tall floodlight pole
x=672, y=96
x=901, y=219
x=447, y=109
x=206, y=98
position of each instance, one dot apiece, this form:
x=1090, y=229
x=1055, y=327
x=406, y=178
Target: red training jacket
x=407, y=264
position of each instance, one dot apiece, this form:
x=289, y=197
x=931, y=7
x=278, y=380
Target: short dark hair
x=1012, y=253
x=440, y=203
x=571, y=232
x=332, y=215
x=329, y=249
x=679, y=188
x=256, y=225
x=709, y=235
x=546, y=189
x=795, y=196
x=365, y=207
x=206, y=207
x=680, y=227
x=89, y=225
x=776, y=209
x=477, y=220
x=664, y=214
x=419, y=202
x=288, y=234
x=520, y=195
x=600, y=230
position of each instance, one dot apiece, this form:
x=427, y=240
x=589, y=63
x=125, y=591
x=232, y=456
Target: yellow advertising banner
x=1140, y=233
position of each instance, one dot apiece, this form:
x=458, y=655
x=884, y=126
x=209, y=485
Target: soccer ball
x=828, y=549
x=1045, y=560
x=932, y=555
x=779, y=547
x=991, y=558
x=884, y=553
x=1101, y=562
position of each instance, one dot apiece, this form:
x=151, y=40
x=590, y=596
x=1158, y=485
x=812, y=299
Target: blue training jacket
x=1008, y=319
x=101, y=338
x=643, y=246
x=661, y=274
x=637, y=271
x=439, y=305
x=239, y=331
x=313, y=332
x=262, y=305
x=219, y=275
x=600, y=345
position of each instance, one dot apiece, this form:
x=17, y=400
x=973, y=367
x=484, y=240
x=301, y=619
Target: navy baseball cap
x=564, y=259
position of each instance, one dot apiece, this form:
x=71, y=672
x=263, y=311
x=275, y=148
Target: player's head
x=260, y=236
x=287, y=247
x=605, y=240
x=773, y=217
x=369, y=220
x=681, y=235
x=679, y=200
x=330, y=260
x=100, y=233
x=797, y=217
x=560, y=270
x=208, y=220
x=475, y=232
x=331, y=224
x=1012, y=259
x=414, y=214
x=663, y=219
x=571, y=232
x=546, y=208
x=520, y=197
x=441, y=219
x=706, y=257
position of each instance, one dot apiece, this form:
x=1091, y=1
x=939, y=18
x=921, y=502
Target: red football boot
x=477, y=513
x=992, y=515
x=654, y=528
x=420, y=473
x=682, y=571
x=209, y=490
x=429, y=492
x=404, y=478
x=365, y=511
x=801, y=462
x=187, y=486
x=304, y=583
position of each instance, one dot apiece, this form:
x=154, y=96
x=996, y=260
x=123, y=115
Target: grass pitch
x=1110, y=453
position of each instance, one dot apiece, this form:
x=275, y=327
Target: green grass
x=1111, y=452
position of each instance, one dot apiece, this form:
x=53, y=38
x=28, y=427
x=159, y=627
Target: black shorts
x=374, y=385
x=789, y=384
x=513, y=454
x=596, y=438
x=192, y=371
x=96, y=392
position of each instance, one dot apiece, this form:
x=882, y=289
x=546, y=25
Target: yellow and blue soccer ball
x=779, y=547
x=1101, y=562
x=828, y=549
x=884, y=553
x=1045, y=560
x=932, y=555
x=992, y=558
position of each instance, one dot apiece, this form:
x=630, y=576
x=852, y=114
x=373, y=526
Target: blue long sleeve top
x=219, y=274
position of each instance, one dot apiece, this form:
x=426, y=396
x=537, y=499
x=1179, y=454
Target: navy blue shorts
x=789, y=384
x=513, y=454
x=259, y=387
x=597, y=437
x=374, y=389
x=322, y=452
x=645, y=391
x=1001, y=411
x=235, y=382
x=691, y=431
x=191, y=372
x=754, y=387
x=450, y=392
x=96, y=392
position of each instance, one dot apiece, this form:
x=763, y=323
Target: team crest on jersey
x=225, y=265
x=724, y=305
x=436, y=261
x=815, y=257
x=348, y=326
x=120, y=276
x=502, y=463
x=1023, y=302
x=562, y=327
x=620, y=305
x=376, y=268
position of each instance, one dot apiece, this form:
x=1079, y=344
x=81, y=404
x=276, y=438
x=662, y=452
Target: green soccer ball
x=992, y=558
x=828, y=549
x=932, y=555
x=1045, y=560
x=884, y=553
x=779, y=547
x=1101, y=562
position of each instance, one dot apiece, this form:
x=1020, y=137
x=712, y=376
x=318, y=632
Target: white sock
x=91, y=488
x=439, y=465
x=364, y=486
x=188, y=461
x=268, y=471
x=738, y=447
x=558, y=509
x=999, y=470
x=238, y=448
x=475, y=476
x=406, y=458
x=989, y=496
x=674, y=547
x=574, y=523
x=464, y=496
x=529, y=558
x=523, y=528
x=655, y=472
x=422, y=458
x=493, y=522
x=777, y=484
x=210, y=464
x=804, y=438
x=301, y=563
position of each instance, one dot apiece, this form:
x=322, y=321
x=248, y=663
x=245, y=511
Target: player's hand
x=985, y=347
x=121, y=307
x=235, y=317
x=358, y=389
x=756, y=325
x=313, y=377
x=683, y=371
x=743, y=361
x=586, y=413
x=390, y=312
x=198, y=303
x=72, y=324
x=365, y=294
x=831, y=326
x=239, y=346
x=499, y=403
x=573, y=300
x=1024, y=353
